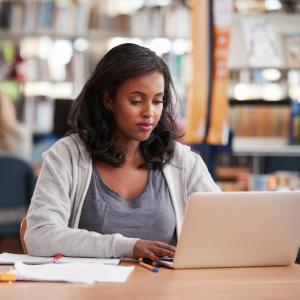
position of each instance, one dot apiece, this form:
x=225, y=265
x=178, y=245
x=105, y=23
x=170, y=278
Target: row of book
x=246, y=181
x=278, y=181
x=78, y=18
x=34, y=68
x=43, y=17
x=260, y=121
x=173, y=20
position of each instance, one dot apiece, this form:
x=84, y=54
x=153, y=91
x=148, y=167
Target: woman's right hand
x=152, y=249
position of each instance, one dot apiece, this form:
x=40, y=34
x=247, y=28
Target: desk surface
x=230, y=283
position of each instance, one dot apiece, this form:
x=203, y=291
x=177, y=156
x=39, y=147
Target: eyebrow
x=143, y=94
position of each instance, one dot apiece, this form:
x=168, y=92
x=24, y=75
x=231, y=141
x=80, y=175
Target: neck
x=132, y=150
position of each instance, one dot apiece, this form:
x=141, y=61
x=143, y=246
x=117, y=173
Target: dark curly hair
x=95, y=124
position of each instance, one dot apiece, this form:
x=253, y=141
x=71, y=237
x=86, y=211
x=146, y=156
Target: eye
x=158, y=101
x=135, y=101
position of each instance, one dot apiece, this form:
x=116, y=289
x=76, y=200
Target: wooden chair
x=23, y=228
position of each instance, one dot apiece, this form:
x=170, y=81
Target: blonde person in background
x=14, y=137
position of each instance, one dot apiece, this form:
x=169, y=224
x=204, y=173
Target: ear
x=107, y=101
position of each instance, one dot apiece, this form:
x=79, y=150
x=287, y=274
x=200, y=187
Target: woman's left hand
x=152, y=249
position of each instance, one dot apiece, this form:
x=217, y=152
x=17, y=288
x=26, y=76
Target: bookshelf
x=262, y=90
x=35, y=29
x=262, y=94
x=42, y=30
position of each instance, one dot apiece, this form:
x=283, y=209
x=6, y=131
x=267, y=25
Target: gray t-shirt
x=150, y=216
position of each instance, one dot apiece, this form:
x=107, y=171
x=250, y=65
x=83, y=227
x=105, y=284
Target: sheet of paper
x=73, y=272
x=91, y=260
x=10, y=258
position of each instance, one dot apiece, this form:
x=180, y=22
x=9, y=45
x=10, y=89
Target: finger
x=150, y=255
x=162, y=252
x=165, y=246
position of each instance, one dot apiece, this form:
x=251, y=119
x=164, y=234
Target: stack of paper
x=10, y=258
x=72, y=272
x=69, y=269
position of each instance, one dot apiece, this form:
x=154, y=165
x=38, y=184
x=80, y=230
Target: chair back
x=23, y=228
x=17, y=182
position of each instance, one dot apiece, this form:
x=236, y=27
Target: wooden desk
x=236, y=283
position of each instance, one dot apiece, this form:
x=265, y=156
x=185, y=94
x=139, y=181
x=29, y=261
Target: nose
x=148, y=111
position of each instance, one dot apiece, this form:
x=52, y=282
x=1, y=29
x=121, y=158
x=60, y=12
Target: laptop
x=238, y=229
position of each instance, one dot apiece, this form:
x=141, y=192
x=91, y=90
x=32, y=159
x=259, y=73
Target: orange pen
x=149, y=267
x=6, y=277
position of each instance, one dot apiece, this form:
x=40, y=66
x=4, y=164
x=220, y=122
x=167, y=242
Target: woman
x=117, y=186
x=14, y=137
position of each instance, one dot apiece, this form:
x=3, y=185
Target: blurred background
x=235, y=65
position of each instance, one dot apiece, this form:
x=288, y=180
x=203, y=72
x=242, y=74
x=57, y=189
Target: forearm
x=48, y=240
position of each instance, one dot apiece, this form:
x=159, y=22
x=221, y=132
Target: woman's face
x=137, y=106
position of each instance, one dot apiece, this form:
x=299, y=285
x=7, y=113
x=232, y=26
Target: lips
x=145, y=126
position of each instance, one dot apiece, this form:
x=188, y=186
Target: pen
x=8, y=277
x=57, y=257
x=149, y=267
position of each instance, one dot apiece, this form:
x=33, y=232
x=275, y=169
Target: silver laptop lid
x=238, y=229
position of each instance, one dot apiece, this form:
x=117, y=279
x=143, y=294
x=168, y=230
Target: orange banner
x=218, y=130
x=207, y=107
x=198, y=90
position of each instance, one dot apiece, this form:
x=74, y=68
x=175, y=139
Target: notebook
x=239, y=229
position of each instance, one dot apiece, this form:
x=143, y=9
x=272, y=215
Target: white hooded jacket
x=55, y=208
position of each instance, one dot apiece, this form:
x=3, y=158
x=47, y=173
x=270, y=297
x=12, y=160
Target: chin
x=142, y=137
